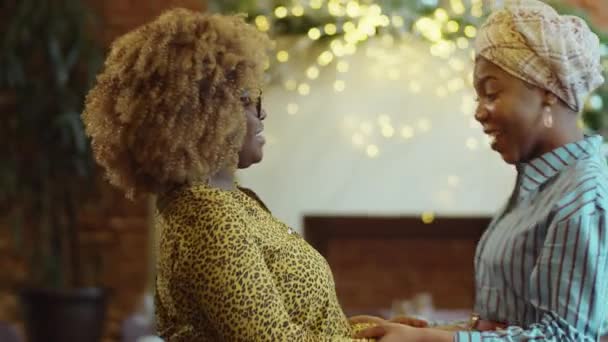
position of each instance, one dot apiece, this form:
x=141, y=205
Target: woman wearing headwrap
x=542, y=265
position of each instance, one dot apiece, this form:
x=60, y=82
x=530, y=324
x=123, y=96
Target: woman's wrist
x=436, y=335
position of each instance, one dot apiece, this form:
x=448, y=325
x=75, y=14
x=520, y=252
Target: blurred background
x=373, y=155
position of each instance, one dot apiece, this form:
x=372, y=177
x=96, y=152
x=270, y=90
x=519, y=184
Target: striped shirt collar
x=538, y=171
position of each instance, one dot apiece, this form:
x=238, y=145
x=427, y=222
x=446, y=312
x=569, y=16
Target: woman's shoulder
x=584, y=188
x=252, y=195
x=198, y=200
x=592, y=170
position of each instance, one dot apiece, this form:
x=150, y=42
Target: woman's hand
x=394, y=332
x=406, y=320
x=411, y=321
x=365, y=319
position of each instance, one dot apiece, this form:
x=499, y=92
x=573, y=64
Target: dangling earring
x=548, y=117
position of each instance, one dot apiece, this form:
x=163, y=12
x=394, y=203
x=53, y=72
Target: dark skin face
x=511, y=113
x=252, y=151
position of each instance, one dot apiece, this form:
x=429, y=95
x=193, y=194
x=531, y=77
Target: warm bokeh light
x=291, y=85
x=339, y=85
x=457, y=7
x=282, y=56
x=372, y=151
x=262, y=23
x=470, y=31
x=452, y=26
x=429, y=28
x=407, y=132
x=304, y=89
x=292, y=108
x=280, y=12
x=358, y=139
x=297, y=11
x=397, y=21
x=342, y=66
x=428, y=217
x=316, y=4
x=441, y=15
x=330, y=29
x=314, y=33
x=312, y=72
x=325, y=58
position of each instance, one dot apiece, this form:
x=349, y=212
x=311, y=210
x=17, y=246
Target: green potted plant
x=594, y=113
x=48, y=61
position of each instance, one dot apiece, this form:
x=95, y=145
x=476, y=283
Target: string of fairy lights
x=343, y=27
x=350, y=25
x=334, y=31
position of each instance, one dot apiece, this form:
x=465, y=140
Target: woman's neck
x=565, y=131
x=223, y=179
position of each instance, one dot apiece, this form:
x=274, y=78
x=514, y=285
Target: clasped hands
x=401, y=329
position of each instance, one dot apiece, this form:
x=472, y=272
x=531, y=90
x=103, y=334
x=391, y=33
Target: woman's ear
x=549, y=99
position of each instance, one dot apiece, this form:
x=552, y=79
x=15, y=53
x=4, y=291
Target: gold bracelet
x=473, y=321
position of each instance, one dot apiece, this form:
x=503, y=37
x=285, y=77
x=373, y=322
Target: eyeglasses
x=250, y=97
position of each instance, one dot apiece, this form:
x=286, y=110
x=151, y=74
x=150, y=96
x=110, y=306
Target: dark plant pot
x=64, y=316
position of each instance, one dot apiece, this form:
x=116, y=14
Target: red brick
x=115, y=228
x=371, y=274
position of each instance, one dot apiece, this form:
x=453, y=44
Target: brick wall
x=121, y=227
x=12, y=273
x=371, y=274
x=117, y=232
x=114, y=244
x=120, y=16
x=114, y=231
x=381, y=261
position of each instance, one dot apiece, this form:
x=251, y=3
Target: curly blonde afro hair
x=166, y=109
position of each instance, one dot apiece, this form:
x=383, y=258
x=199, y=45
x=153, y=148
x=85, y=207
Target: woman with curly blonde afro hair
x=163, y=111
x=175, y=112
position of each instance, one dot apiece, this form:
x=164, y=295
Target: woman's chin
x=259, y=157
x=506, y=155
x=508, y=158
x=250, y=160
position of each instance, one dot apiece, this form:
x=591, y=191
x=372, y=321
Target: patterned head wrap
x=531, y=41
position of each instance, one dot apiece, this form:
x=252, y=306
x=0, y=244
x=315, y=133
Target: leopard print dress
x=229, y=271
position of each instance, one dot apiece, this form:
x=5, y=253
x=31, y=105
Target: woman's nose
x=481, y=113
x=263, y=114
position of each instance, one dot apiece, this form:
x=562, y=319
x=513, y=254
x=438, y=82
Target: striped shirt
x=541, y=267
